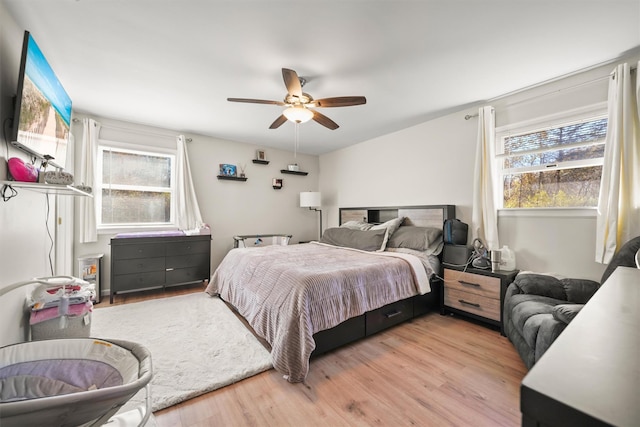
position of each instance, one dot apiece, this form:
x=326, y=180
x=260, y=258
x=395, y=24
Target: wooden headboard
x=421, y=216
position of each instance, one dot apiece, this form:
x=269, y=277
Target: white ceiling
x=173, y=63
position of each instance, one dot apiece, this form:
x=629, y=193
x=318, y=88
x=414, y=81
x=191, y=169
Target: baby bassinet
x=70, y=382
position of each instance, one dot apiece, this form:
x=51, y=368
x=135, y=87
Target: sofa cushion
x=566, y=312
x=572, y=290
x=540, y=285
x=525, y=306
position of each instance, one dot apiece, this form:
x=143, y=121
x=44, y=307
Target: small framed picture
x=228, y=170
x=261, y=155
x=277, y=183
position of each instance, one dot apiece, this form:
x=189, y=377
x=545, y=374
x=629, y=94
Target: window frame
x=135, y=149
x=565, y=118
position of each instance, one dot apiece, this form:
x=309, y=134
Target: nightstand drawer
x=477, y=284
x=472, y=303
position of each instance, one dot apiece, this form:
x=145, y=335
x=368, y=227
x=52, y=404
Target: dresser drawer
x=472, y=303
x=137, y=251
x=184, y=275
x=485, y=286
x=130, y=282
x=389, y=315
x=139, y=265
x=185, y=248
x=192, y=260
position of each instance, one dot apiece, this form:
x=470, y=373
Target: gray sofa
x=538, y=307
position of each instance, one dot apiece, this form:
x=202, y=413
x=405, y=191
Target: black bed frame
x=397, y=312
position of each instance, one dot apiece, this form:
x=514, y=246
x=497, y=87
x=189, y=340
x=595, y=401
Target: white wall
x=229, y=207
x=24, y=224
x=432, y=163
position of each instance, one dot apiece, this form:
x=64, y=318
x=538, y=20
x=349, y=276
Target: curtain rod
x=597, y=79
x=142, y=132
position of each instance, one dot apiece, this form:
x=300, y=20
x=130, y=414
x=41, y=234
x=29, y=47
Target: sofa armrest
x=566, y=312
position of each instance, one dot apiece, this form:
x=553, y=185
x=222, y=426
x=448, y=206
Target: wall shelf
x=232, y=178
x=260, y=162
x=294, y=172
x=63, y=190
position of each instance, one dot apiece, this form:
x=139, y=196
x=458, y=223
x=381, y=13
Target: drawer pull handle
x=462, y=282
x=393, y=314
x=461, y=301
x=169, y=269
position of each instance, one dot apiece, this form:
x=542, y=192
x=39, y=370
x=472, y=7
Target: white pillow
x=391, y=226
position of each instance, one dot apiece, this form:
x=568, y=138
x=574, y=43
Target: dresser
x=152, y=262
x=476, y=293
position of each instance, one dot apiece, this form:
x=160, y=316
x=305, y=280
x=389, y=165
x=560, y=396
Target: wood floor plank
x=432, y=371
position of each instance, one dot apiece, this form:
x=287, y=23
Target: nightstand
x=476, y=293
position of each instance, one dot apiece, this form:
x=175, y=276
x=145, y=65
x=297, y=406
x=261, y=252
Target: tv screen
x=43, y=109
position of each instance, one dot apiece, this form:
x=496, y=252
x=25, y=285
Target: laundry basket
x=60, y=307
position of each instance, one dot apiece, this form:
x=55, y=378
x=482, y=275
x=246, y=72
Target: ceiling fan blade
x=256, y=101
x=278, y=122
x=292, y=82
x=340, y=101
x=324, y=120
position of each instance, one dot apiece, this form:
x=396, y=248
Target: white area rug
x=197, y=344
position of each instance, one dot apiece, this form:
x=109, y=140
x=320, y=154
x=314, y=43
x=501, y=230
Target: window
x=554, y=166
x=136, y=188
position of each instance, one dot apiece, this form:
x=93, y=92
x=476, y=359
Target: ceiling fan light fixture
x=298, y=114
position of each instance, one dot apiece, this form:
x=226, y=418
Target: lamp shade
x=298, y=114
x=310, y=199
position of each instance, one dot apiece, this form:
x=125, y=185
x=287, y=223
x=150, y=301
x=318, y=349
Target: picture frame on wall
x=228, y=170
x=277, y=183
x=261, y=155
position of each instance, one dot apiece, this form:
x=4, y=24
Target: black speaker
x=456, y=255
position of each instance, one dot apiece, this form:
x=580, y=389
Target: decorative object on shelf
x=58, y=177
x=293, y=167
x=294, y=172
x=312, y=200
x=21, y=171
x=261, y=155
x=242, y=168
x=277, y=183
x=228, y=170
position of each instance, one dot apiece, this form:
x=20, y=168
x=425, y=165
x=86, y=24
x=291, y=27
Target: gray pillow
x=365, y=240
x=416, y=238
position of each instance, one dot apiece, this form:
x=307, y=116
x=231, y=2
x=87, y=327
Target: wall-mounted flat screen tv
x=42, y=117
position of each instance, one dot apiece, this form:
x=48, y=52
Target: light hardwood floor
x=432, y=371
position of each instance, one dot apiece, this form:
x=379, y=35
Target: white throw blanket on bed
x=288, y=293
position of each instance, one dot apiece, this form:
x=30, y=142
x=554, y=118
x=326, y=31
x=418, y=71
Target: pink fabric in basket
x=52, y=313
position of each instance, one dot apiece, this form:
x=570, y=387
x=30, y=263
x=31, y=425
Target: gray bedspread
x=288, y=293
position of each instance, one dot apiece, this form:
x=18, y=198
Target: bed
x=380, y=267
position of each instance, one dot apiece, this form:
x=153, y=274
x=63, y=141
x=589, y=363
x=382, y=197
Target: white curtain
x=187, y=209
x=484, y=220
x=89, y=157
x=618, y=218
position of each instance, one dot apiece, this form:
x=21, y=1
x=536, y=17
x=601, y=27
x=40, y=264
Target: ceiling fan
x=299, y=104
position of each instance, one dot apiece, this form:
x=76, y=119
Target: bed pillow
x=390, y=226
x=417, y=238
x=365, y=240
x=357, y=225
